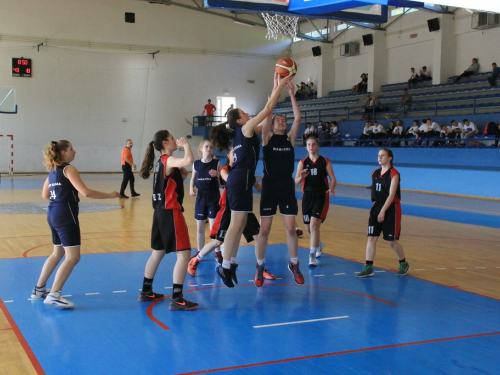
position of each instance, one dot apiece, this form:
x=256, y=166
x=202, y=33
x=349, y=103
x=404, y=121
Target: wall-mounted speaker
x=368, y=39
x=433, y=24
x=130, y=17
x=316, y=51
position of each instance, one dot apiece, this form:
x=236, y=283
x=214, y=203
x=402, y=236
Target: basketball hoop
x=280, y=25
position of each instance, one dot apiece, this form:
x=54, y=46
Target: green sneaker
x=366, y=271
x=403, y=269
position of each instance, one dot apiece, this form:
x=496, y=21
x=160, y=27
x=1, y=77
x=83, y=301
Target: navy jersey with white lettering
x=60, y=188
x=246, y=151
x=381, y=184
x=203, y=180
x=317, y=179
x=279, y=157
x=168, y=191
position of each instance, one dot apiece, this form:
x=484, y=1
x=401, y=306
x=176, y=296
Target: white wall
x=82, y=94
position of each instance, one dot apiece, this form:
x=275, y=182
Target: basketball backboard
x=375, y=11
x=8, y=102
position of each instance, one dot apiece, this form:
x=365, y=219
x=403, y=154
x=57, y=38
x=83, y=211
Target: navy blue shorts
x=207, y=204
x=278, y=193
x=64, y=224
x=239, y=190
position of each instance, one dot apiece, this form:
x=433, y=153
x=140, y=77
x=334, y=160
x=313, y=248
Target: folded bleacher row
x=472, y=96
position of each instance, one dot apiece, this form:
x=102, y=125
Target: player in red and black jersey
x=385, y=214
x=313, y=172
x=169, y=233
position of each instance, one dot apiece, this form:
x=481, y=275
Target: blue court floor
x=333, y=324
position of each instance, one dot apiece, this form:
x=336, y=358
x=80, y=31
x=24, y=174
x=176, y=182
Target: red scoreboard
x=21, y=67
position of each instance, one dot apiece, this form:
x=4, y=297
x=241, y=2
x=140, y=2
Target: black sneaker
x=149, y=296
x=225, y=275
x=403, y=269
x=180, y=304
x=123, y=196
x=134, y=195
x=367, y=271
x=234, y=267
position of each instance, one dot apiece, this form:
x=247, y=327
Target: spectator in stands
x=379, y=131
x=445, y=134
x=334, y=133
x=425, y=74
x=361, y=87
x=412, y=132
x=312, y=91
x=457, y=129
x=319, y=127
x=307, y=132
x=434, y=131
x=473, y=69
x=425, y=130
x=324, y=137
x=367, y=132
x=230, y=108
x=413, y=80
x=496, y=72
x=307, y=90
x=300, y=94
x=470, y=129
x=395, y=131
x=493, y=129
x=210, y=110
x=406, y=100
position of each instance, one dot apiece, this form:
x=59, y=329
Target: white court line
x=279, y=278
x=67, y=295
x=336, y=274
x=480, y=267
x=379, y=271
x=318, y=275
x=168, y=287
x=11, y=301
x=439, y=268
x=91, y=294
x=119, y=291
x=461, y=268
x=420, y=269
x=193, y=285
x=302, y=321
x=209, y=284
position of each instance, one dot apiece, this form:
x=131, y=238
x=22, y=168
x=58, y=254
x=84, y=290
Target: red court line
x=341, y=353
x=22, y=340
x=149, y=310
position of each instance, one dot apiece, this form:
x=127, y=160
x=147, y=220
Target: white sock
x=294, y=260
x=260, y=262
x=313, y=250
x=233, y=260
x=200, y=257
x=226, y=264
x=217, y=249
x=297, y=228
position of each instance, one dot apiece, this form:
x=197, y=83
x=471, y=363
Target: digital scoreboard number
x=21, y=67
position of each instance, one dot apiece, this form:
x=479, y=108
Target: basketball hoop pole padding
x=280, y=25
x=11, y=168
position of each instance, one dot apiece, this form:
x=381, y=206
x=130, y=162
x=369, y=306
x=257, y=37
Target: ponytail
x=221, y=135
x=149, y=158
x=52, y=154
x=389, y=153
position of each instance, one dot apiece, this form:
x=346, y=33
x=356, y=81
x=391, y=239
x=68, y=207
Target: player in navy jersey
x=278, y=188
x=61, y=188
x=222, y=221
x=313, y=172
x=204, y=178
x=246, y=146
x=385, y=214
x=169, y=233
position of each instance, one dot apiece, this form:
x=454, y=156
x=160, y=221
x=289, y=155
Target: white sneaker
x=320, y=249
x=55, y=299
x=312, y=260
x=39, y=293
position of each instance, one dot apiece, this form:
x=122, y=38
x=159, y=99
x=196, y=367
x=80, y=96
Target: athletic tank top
x=279, y=157
x=168, y=191
x=381, y=185
x=203, y=180
x=246, y=151
x=317, y=179
x=61, y=191
x=222, y=200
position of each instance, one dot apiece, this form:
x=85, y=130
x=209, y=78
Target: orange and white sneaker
x=193, y=265
x=180, y=304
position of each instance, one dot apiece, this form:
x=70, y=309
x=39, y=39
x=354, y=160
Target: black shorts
x=239, y=190
x=315, y=204
x=169, y=231
x=219, y=229
x=391, y=226
x=64, y=224
x=207, y=204
x=278, y=193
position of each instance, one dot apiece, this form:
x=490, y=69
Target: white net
x=279, y=25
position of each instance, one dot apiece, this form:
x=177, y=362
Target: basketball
x=285, y=67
